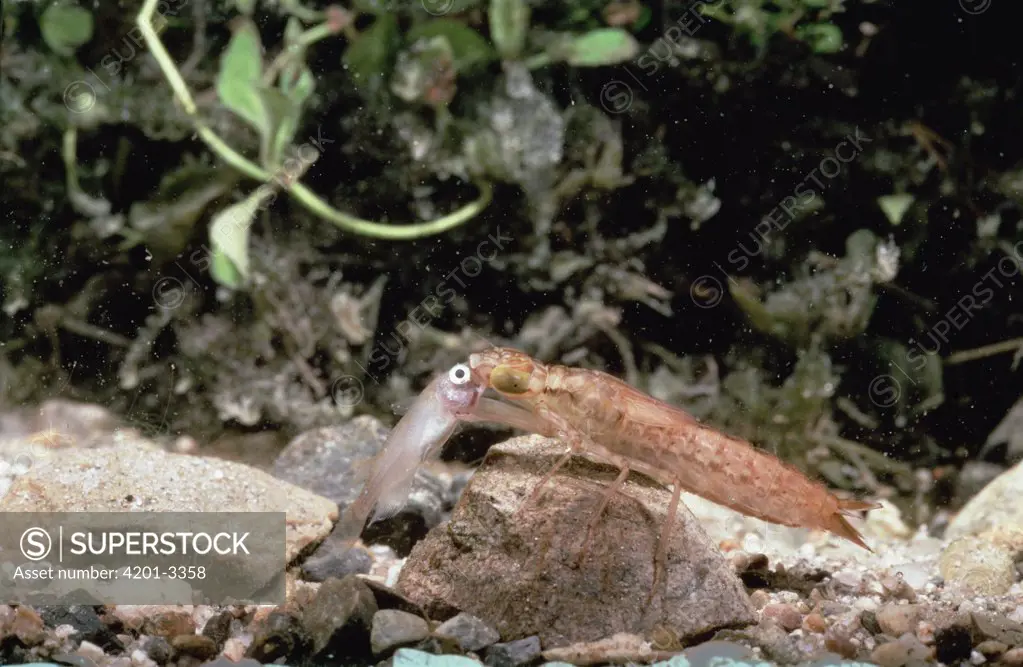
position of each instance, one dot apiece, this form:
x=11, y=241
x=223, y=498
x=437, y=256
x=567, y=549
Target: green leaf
x=65, y=27
x=370, y=57
x=604, y=46
x=296, y=85
x=895, y=206
x=509, y=23
x=822, y=37
x=467, y=46
x=229, y=236
x=238, y=82
x=282, y=116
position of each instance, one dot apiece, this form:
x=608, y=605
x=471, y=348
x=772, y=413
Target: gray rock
x=330, y=461
x=514, y=654
x=519, y=574
x=468, y=631
x=393, y=629
x=127, y=478
x=339, y=619
x=86, y=622
x=333, y=559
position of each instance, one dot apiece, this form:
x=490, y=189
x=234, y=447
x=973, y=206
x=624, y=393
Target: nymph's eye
x=459, y=374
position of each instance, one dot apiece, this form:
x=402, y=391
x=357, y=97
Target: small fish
x=449, y=399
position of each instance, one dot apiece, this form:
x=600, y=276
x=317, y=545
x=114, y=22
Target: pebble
x=783, y=614
x=469, y=632
x=170, y=623
x=277, y=636
x=159, y=649
x=334, y=558
x=903, y=651
x=197, y=646
x=27, y=626
x=1013, y=657
x=514, y=654
x=406, y=657
x=759, y=598
x=814, y=622
x=340, y=617
x=90, y=651
x=991, y=648
x=897, y=620
x=393, y=629
x=86, y=622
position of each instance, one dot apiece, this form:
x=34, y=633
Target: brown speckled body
x=608, y=418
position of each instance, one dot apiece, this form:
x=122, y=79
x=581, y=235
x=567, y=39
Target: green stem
x=304, y=195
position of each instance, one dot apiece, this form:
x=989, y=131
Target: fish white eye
x=459, y=374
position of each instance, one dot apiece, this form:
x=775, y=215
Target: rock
x=90, y=652
x=339, y=620
x=26, y=625
x=620, y=648
x=1013, y=657
x=886, y=522
x=159, y=649
x=197, y=646
x=218, y=627
x=897, y=619
x=330, y=461
x=468, y=632
x=125, y=478
x=518, y=575
x=334, y=559
x=907, y=649
x=388, y=598
x=407, y=657
x=991, y=649
x=226, y=662
x=280, y=635
x=997, y=504
x=814, y=622
x=783, y=614
x=394, y=629
x=999, y=628
x=953, y=644
x=518, y=653
x=86, y=622
x=169, y=623
x=977, y=566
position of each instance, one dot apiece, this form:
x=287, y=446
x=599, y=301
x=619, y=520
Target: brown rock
x=518, y=575
x=814, y=622
x=27, y=626
x=901, y=652
x=1013, y=657
x=197, y=646
x=170, y=623
x=991, y=649
x=897, y=619
x=784, y=615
